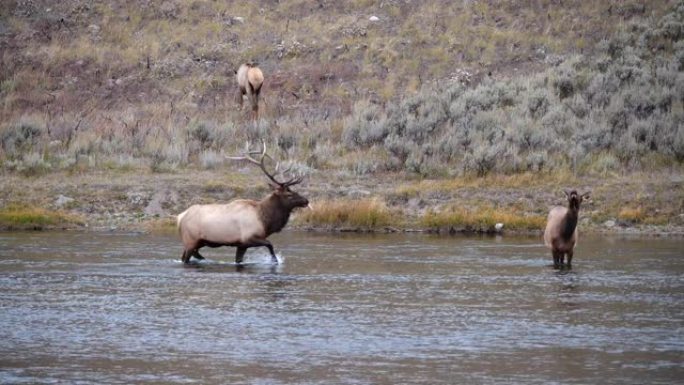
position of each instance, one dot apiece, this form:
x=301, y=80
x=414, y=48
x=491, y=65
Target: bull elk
x=560, y=234
x=241, y=223
x=249, y=79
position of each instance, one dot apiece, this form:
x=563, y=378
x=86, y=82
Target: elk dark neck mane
x=569, y=223
x=273, y=214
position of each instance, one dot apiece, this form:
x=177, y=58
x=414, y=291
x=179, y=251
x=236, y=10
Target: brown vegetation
x=95, y=92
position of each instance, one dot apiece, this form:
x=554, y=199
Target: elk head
x=574, y=199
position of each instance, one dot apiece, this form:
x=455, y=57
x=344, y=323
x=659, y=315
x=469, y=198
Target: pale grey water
x=106, y=308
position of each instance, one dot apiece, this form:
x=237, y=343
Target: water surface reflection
x=120, y=308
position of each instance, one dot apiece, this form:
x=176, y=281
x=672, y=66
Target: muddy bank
x=144, y=201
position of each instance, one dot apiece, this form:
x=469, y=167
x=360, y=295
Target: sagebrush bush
x=210, y=159
x=622, y=101
x=19, y=138
x=29, y=164
x=618, y=103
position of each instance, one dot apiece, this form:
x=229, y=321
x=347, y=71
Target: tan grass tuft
x=480, y=219
x=24, y=217
x=367, y=214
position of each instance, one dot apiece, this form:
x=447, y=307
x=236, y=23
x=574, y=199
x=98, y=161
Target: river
x=116, y=308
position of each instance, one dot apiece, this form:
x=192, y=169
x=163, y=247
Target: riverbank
x=140, y=200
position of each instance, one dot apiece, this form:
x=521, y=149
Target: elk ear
x=273, y=186
x=567, y=193
x=586, y=196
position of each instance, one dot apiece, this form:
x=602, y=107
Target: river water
x=353, y=309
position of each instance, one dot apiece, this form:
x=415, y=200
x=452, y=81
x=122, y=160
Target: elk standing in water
x=561, y=229
x=249, y=78
x=241, y=223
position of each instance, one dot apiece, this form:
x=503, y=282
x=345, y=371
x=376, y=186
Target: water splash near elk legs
x=187, y=254
x=265, y=243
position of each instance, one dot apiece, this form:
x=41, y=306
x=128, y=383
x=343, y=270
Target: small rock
x=358, y=193
x=609, y=223
x=499, y=226
x=136, y=198
x=374, y=18
x=239, y=19
x=62, y=200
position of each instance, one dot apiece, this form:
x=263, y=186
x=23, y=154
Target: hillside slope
x=428, y=108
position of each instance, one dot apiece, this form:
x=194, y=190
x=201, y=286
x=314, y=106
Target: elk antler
x=263, y=155
x=297, y=179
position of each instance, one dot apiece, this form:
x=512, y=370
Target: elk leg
x=570, y=259
x=255, y=102
x=197, y=255
x=239, y=254
x=238, y=97
x=274, y=259
x=267, y=244
x=187, y=254
x=556, y=259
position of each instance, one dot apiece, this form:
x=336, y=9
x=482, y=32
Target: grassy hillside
x=620, y=108
x=125, y=84
x=439, y=90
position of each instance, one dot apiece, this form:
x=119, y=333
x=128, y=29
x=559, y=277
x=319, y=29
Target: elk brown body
x=241, y=223
x=250, y=79
x=560, y=234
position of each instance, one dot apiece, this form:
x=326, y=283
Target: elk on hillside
x=249, y=78
x=241, y=223
x=560, y=234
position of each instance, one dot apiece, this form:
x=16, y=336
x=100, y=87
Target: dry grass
x=367, y=214
x=23, y=217
x=161, y=225
x=124, y=87
x=480, y=219
x=632, y=214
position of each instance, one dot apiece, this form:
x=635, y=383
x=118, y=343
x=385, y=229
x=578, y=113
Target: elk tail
x=179, y=218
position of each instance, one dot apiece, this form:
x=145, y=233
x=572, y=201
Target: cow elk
x=560, y=234
x=241, y=223
x=249, y=78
